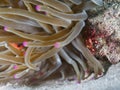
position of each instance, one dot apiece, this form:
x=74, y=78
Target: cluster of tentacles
x=36, y=36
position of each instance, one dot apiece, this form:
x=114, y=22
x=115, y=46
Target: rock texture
x=105, y=36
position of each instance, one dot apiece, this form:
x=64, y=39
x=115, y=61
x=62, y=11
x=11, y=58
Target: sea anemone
x=38, y=36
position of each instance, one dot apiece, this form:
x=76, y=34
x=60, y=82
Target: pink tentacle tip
x=5, y=28
x=25, y=43
x=78, y=82
x=57, y=45
x=15, y=67
x=24, y=53
x=15, y=77
x=45, y=13
x=38, y=7
x=87, y=72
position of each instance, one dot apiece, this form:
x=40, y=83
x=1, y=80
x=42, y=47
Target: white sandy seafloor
x=111, y=81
